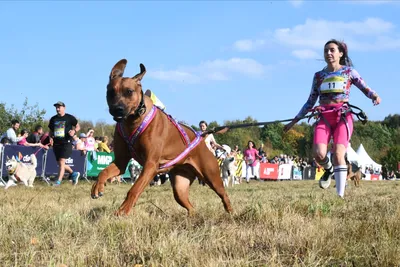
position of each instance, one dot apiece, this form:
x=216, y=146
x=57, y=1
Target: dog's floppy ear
x=140, y=75
x=118, y=69
x=8, y=158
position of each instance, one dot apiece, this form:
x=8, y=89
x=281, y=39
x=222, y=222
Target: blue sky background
x=212, y=61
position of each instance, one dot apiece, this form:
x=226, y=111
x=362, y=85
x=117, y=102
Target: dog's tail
x=33, y=160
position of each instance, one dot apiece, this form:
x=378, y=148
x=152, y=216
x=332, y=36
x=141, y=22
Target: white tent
x=352, y=156
x=366, y=160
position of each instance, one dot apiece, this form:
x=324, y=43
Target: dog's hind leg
x=181, y=182
x=208, y=168
x=31, y=179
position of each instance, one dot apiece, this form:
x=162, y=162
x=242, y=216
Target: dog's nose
x=117, y=110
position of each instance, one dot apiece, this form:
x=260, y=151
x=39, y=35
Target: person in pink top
x=90, y=142
x=251, y=158
x=23, y=142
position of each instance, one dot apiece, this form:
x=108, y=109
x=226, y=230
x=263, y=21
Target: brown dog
x=354, y=173
x=158, y=144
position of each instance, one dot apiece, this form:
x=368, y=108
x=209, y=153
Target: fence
x=91, y=164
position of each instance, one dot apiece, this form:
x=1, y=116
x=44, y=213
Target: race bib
x=335, y=84
x=59, y=129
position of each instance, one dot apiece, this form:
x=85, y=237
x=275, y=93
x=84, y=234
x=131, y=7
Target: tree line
x=381, y=139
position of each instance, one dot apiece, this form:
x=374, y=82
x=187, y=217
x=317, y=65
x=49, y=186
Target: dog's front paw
x=123, y=210
x=97, y=190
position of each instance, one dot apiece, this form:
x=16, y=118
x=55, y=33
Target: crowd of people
x=63, y=137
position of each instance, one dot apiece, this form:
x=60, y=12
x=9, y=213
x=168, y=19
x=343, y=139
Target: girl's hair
x=24, y=131
x=203, y=122
x=345, y=59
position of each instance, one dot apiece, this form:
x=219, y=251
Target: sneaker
x=75, y=177
x=325, y=180
x=57, y=183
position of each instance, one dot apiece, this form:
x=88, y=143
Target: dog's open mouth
x=118, y=118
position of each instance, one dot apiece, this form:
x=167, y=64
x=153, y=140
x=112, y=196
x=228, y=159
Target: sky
x=205, y=60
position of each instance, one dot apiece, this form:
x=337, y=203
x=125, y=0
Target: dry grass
x=275, y=224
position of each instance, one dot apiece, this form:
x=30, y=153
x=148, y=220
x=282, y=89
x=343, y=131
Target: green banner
x=98, y=161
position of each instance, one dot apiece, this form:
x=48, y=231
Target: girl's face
x=203, y=127
x=332, y=53
x=250, y=144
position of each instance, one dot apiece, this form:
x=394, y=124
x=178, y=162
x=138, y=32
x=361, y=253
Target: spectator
x=90, y=141
x=209, y=140
x=34, y=137
x=391, y=176
x=261, y=149
x=103, y=145
x=79, y=143
x=11, y=133
x=251, y=157
x=24, y=142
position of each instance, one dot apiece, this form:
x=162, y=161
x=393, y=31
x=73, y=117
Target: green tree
x=29, y=116
x=392, y=121
x=392, y=158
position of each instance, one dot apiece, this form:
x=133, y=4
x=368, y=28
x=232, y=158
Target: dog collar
x=12, y=172
x=141, y=109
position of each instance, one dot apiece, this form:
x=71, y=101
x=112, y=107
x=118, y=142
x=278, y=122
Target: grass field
x=291, y=223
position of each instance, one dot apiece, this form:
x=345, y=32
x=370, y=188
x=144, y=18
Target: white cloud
x=248, y=45
x=305, y=54
x=296, y=3
x=216, y=70
x=307, y=39
x=366, y=35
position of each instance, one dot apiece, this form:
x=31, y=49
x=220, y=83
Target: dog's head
x=125, y=95
x=11, y=165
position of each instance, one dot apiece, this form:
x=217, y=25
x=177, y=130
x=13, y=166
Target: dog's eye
x=129, y=92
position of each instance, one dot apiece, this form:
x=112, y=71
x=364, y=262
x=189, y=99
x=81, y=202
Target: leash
x=224, y=129
x=315, y=112
x=40, y=149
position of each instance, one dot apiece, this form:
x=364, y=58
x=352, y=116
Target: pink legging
x=337, y=126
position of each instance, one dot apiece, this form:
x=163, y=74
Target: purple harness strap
x=143, y=126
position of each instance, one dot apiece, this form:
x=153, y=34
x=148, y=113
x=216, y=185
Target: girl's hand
x=376, y=100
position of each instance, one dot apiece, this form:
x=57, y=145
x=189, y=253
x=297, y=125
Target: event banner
x=269, y=171
x=309, y=173
x=98, y=161
x=23, y=154
x=76, y=162
x=285, y=171
x=297, y=174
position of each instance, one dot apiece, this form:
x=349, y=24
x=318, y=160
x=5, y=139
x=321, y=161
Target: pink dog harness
x=190, y=145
